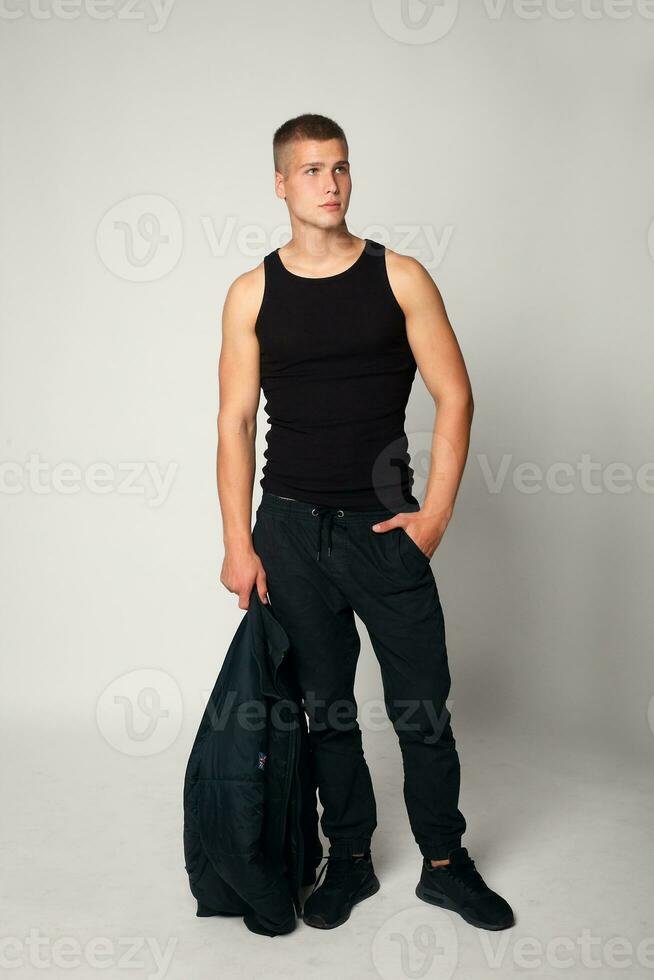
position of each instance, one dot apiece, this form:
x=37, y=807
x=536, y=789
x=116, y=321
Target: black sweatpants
x=322, y=565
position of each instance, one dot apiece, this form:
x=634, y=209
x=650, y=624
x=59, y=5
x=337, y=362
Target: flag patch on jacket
x=262, y=759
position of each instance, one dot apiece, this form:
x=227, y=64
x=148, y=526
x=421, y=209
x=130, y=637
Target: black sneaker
x=459, y=887
x=348, y=880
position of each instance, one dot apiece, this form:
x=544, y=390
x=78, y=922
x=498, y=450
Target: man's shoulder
x=246, y=289
x=248, y=283
x=406, y=266
x=245, y=294
x=407, y=275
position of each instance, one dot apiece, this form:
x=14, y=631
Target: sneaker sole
x=444, y=903
x=370, y=889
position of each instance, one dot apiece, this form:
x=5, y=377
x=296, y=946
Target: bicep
x=431, y=336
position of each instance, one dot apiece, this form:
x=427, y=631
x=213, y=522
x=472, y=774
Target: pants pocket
x=411, y=554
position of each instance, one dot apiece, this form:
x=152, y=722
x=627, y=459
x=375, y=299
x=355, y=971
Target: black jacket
x=250, y=816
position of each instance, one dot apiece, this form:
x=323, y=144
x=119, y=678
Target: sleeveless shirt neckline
x=337, y=275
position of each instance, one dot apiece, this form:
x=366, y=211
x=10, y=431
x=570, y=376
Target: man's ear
x=280, y=189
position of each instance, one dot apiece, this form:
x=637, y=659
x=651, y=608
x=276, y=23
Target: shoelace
x=339, y=868
x=465, y=874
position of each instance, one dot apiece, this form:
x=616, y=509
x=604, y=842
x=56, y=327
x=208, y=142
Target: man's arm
x=442, y=368
x=239, y=387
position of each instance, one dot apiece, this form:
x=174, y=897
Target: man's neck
x=319, y=252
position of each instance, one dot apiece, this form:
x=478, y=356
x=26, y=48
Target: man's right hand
x=241, y=570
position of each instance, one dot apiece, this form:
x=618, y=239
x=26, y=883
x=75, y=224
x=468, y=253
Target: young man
x=333, y=327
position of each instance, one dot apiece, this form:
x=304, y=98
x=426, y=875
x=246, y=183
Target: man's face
x=317, y=184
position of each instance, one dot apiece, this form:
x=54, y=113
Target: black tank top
x=336, y=373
